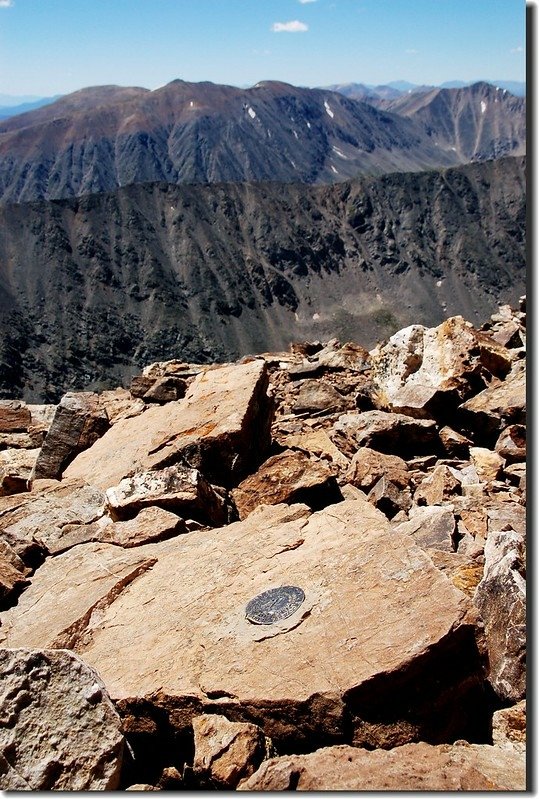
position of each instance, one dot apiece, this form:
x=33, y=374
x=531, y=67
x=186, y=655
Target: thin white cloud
x=294, y=26
x=6, y=3
x=411, y=51
x=303, y=2
x=518, y=49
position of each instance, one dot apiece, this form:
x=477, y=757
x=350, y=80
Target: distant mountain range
x=102, y=138
x=360, y=91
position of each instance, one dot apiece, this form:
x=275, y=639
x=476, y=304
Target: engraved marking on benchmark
x=274, y=605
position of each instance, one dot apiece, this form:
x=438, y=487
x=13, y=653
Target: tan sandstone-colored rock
x=80, y=419
x=502, y=403
x=221, y=427
x=431, y=527
x=374, y=603
x=511, y=444
x=287, y=477
x=226, y=751
x=509, y=726
x=392, y=433
x=177, y=488
x=427, y=372
x=488, y=464
x=412, y=767
x=440, y=486
x=315, y=442
x=15, y=469
x=39, y=518
x=368, y=466
x=12, y=572
x=501, y=599
x=314, y=396
x=59, y=729
x=15, y=416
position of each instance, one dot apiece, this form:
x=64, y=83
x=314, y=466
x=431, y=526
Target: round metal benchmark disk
x=274, y=605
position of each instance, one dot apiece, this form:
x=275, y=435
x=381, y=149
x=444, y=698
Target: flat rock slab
x=58, y=730
x=392, y=433
x=287, y=477
x=412, y=767
x=221, y=427
x=178, y=632
x=38, y=519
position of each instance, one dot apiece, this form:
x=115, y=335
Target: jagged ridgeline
x=93, y=288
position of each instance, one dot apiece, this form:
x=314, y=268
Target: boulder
x=39, y=519
x=221, y=427
x=389, y=498
x=501, y=600
x=427, y=372
x=431, y=527
x=502, y=403
x=511, y=444
x=226, y=752
x=454, y=444
x=167, y=626
x=314, y=396
x=177, y=488
x=488, y=464
x=314, y=442
x=287, y=477
x=414, y=767
x=119, y=404
x=392, y=433
x=151, y=524
x=60, y=730
x=509, y=727
x=440, y=486
x=368, y=466
x=15, y=416
x=79, y=421
x=12, y=573
x=15, y=469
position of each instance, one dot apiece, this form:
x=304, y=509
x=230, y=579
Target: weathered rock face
x=78, y=422
x=176, y=487
x=60, y=730
x=427, y=372
x=226, y=751
x=185, y=640
x=500, y=404
x=15, y=416
x=392, y=433
x=221, y=427
x=413, y=767
x=287, y=477
x=509, y=726
x=501, y=599
x=368, y=466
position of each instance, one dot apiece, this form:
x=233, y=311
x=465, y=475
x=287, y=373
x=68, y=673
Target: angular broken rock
x=59, y=729
x=441, y=485
x=389, y=498
x=368, y=466
x=178, y=634
x=455, y=444
x=287, y=477
x=501, y=600
x=500, y=404
x=314, y=396
x=226, y=752
x=392, y=433
x=38, y=520
x=315, y=442
x=511, y=444
x=79, y=421
x=15, y=416
x=427, y=372
x=488, y=464
x=509, y=726
x=12, y=572
x=413, y=767
x=151, y=524
x=431, y=527
x=221, y=427
x=15, y=469
x=177, y=488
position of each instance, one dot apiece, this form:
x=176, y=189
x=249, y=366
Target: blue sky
x=52, y=47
